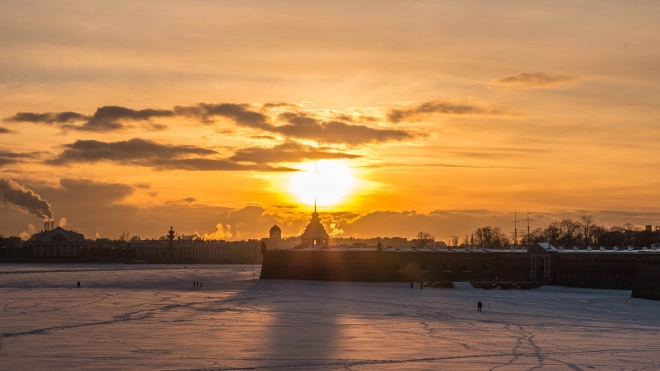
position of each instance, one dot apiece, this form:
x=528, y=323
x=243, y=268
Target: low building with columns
x=229, y=251
x=57, y=242
x=198, y=250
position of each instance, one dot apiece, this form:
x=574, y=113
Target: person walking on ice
x=479, y=305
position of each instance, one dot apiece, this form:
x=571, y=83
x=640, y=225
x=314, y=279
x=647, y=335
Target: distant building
x=274, y=239
x=386, y=242
x=189, y=249
x=57, y=242
x=315, y=235
x=275, y=233
x=213, y=250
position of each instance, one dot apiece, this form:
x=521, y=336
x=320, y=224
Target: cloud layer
x=287, y=152
x=107, y=118
x=143, y=152
x=441, y=107
x=534, y=80
x=341, y=129
x=307, y=127
x=10, y=157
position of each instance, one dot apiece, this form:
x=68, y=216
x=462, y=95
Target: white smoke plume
x=335, y=230
x=25, y=235
x=62, y=222
x=222, y=233
x=24, y=199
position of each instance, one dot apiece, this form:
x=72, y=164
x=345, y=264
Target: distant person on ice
x=479, y=305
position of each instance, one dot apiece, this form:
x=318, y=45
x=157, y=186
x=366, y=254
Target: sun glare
x=330, y=181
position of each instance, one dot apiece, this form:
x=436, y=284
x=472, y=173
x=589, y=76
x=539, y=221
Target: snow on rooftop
x=546, y=246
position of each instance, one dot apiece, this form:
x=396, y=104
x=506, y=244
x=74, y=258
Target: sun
x=330, y=181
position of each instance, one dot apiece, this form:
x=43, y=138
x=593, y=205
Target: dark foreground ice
x=150, y=317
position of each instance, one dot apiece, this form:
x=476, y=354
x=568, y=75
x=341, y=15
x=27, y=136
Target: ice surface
x=150, y=317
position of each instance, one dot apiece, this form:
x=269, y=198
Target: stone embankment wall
x=646, y=280
x=378, y=266
x=609, y=270
x=605, y=270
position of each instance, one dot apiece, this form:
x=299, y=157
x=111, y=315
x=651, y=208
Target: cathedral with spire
x=315, y=234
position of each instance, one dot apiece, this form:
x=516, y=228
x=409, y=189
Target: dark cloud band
x=287, y=152
x=438, y=107
x=531, y=80
x=339, y=130
x=142, y=152
x=10, y=157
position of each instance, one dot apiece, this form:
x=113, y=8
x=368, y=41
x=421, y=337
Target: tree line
x=567, y=233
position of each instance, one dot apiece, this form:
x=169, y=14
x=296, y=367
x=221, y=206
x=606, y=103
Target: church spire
x=316, y=170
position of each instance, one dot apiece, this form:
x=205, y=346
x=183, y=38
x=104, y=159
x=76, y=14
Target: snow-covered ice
x=150, y=317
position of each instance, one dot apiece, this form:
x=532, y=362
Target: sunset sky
x=134, y=116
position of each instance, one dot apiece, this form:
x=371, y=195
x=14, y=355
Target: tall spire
x=316, y=188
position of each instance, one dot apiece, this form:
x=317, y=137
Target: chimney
x=46, y=224
x=52, y=225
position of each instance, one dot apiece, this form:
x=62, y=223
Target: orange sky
x=134, y=116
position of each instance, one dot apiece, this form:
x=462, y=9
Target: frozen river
x=150, y=317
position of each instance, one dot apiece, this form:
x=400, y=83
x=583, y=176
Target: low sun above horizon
x=326, y=182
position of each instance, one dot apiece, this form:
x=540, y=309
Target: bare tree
x=124, y=236
x=630, y=230
x=631, y=227
x=489, y=237
x=617, y=228
x=535, y=236
x=569, y=232
x=597, y=232
x=587, y=224
x=424, y=239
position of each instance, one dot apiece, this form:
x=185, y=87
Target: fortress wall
x=608, y=270
x=373, y=266
x=646, y=280
x=324, y=265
